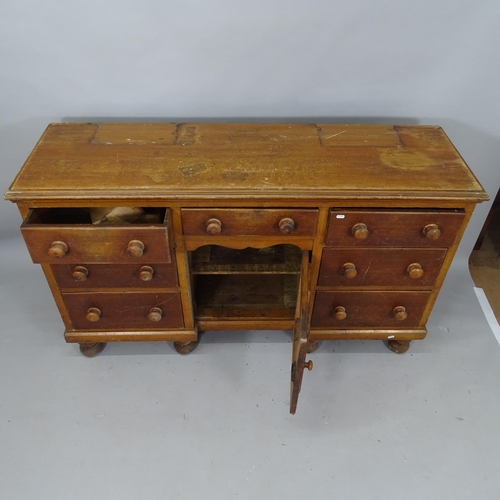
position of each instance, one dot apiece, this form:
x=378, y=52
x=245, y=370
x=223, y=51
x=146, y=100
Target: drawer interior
x=95, y=216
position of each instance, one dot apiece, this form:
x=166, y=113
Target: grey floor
x=142, y=422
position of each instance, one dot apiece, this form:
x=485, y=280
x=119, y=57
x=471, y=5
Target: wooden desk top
x=168, y=161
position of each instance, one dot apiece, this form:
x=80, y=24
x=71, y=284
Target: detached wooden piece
x=156, y=231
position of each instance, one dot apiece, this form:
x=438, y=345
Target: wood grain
x=220, y=160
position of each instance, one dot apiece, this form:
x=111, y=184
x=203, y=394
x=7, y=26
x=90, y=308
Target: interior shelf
x=278, y=259
x=234, y=296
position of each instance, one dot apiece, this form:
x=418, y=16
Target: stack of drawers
x=379, y=268
x=108, y=278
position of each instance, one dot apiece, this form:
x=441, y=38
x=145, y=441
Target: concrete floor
x=141, y=421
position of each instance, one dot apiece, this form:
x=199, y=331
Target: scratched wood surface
x=167, y=160
x=380, y=267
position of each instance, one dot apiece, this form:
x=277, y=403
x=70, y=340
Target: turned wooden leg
x=399, y=346
x=312, y=346
x=91, y=350
x=185, y=347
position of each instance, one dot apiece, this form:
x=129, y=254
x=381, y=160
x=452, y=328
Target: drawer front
x=249, y=222
x=124, y=311
x=405, y=267
x=368, y=309
x=75, y=244
x=115, y=275
x=400, y=228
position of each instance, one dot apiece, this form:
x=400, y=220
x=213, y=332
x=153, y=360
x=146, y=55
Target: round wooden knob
x=432, y=231
x=339, y=313
x=58, y=249
x=155, y=314
x=93, y=314
x=349, y=270
x=146, y=273
x=135, y=248
x=415, y=270
x=80, y=273
x=308, y=365
x=214, y=226
x=400, y=313
x=287, y=225
x=360, y=231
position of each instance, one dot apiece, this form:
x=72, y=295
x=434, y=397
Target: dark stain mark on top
x=192, y=169
x=235, y=175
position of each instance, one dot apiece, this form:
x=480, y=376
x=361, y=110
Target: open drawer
x=67, y=235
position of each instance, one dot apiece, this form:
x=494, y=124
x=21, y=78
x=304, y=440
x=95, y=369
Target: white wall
x=403, y=61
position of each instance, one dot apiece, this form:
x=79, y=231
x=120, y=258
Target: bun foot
x=91, y=350
x=399, y=346
x=312, y=346
x=185, y=347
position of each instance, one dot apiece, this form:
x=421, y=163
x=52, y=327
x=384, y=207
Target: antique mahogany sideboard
x=157, y=231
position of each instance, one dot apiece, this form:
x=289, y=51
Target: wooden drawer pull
x=80, y=273
x=146, y=273
x=415, y=270
x=155, y=314
x=431, y=231
x=135, y=248
x=308, y=365
x=400, y=313
x=214, y=226
x=349, y=270
x=287, y=225
x=339, y=313
x=93, y=314
x=58, y=249
x=360, y=231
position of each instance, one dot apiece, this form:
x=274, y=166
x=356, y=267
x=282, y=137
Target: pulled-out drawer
x=249, y=222
x=67, y=235
x=368, y=309
x=124, y=311
x=115, y=275
x=404, y=267
x=399, y=228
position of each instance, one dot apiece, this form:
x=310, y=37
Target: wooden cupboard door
x=300, y=334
